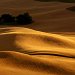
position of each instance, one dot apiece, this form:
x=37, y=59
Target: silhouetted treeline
x=20, y=19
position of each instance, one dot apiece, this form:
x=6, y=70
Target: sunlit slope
x=27, y=51
x=18, y=63
x=28, y=40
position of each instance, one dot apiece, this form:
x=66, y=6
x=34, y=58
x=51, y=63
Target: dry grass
x=26, y=50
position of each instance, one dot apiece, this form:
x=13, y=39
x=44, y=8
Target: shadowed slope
x=48, y=16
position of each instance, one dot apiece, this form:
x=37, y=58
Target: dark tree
x=24, y=19
x=7, y=19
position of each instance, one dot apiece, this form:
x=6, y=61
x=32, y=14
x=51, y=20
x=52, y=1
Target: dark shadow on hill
x=66, y=1
x=22, y=19
x=71, y=8
x=49, y=54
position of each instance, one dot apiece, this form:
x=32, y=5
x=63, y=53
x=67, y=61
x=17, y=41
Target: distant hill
x=48, y=16
x=68, y=1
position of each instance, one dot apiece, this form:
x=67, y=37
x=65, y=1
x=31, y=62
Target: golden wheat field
x=45, y=47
